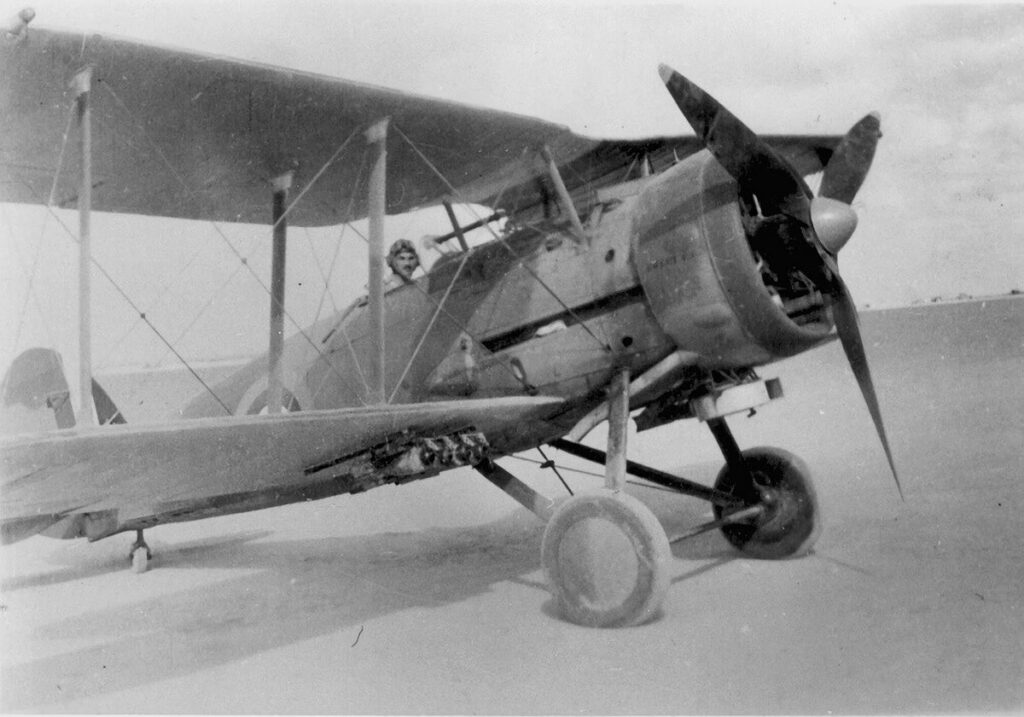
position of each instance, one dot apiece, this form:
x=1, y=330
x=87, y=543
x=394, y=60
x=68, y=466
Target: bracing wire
x=326, y=293
x=142, y=314
x=30, y=294
x=461, y=324
x=243, y=261
x=337, y=243
x=203, y=309
x=155, y=302
x=220, y=231
x=548, y=463
x=592, y=474
x=603, y=344
x=327, y=287
x=334, y=260
x=430, y=325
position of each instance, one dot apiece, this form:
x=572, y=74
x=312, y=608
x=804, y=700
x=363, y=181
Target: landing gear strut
x=763, y=499
x=139, y=554
x=606, y=556
x=778, y=483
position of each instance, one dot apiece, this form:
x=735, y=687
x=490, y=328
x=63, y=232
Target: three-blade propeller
x=828, y=220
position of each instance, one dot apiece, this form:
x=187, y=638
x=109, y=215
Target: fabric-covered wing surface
x=191, y=136
x=149, y=467
x=609, y=162
x=185, y=135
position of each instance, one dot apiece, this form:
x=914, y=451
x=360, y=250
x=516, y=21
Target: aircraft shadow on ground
x=291, y=591
x=77, y=568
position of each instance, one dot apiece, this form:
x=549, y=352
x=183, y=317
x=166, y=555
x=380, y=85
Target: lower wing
x=204, y=467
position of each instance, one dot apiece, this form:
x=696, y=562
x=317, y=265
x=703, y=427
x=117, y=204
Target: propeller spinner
x=828, y=220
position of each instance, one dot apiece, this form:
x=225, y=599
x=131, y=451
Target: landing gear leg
x=604, y=553
x=139, y=554
x=730, y=449
x=774, y=488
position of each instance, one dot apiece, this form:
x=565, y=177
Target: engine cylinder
x=700, y=276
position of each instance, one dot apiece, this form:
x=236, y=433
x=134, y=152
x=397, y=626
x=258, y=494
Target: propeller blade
x=844, y=313
x=750, y=161
x=851, y=160
x=757, y=168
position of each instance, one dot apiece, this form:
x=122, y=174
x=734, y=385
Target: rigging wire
x=337, y=244
x=30, y=294
x=136, y=309
x=357, y=185
x=641, y=484
x=459, y=323
x=340, y=325
x=326, y=293
x=355, y=362
x=244, y=262
x=202, y=310
x=301, y=331
x=430, y=325
x=224, y=237
x=438, y=305
x=508, y=181
x=548, y=463
x=155, y=302
x=315, y=178
x=522, y=264
x=108, y=276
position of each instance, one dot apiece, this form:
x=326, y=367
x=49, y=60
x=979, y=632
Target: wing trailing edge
x=212, y=466
x=192, y=136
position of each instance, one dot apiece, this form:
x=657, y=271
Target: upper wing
x=186, y=135
x=147, y=468
x=610, y=162
x=193, y=136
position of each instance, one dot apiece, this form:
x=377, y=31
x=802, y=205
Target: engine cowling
x=705, y=285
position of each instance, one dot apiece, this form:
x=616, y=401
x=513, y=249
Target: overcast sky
x=940, y=214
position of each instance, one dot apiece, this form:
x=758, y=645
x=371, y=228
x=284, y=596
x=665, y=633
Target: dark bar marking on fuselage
x=576, y=315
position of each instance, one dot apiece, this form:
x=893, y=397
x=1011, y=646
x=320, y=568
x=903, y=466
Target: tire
x=791, y=523
x=606, y=557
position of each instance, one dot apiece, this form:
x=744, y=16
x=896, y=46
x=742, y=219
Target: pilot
x=403, y=260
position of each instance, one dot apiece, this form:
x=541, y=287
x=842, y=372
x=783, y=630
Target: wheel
x=140, y=559
x=790, y=523
x=606, y=559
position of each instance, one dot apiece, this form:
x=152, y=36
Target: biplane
x=644, y=278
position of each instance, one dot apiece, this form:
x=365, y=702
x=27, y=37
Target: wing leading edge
x=186, y=135
x=205, y=464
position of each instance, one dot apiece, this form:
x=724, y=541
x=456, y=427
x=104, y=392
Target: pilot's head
x=403, y=259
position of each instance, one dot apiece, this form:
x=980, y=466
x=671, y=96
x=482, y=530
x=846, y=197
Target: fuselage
x=665, y=265
x=665, y=268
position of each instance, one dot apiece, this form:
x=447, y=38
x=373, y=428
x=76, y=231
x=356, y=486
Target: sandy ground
x=429, y=598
